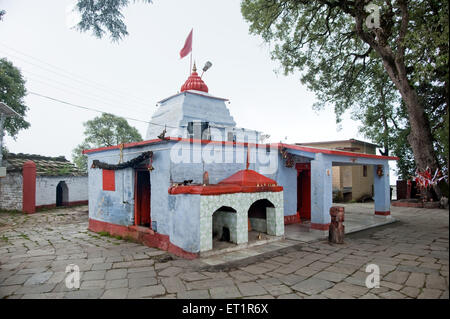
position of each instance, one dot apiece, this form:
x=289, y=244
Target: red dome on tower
x=194, y=82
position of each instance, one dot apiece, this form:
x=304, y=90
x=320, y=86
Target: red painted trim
x=29, y=187
x=128, y=145
x=272, y=145
x=221, y=189
x=383, y=213
x=292, y=219
x=406, y=204
x=143, y=235
x=78, y=203
x=335, y=152
x=74, y=203
x=319, y=226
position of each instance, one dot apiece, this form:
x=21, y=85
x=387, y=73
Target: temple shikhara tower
x=199, y=183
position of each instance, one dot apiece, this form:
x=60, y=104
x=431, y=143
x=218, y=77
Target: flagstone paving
x=35, y=250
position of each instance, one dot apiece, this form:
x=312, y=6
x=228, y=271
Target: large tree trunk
x=420, y=137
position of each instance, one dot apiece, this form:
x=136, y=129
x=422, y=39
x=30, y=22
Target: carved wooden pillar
x=336, y=230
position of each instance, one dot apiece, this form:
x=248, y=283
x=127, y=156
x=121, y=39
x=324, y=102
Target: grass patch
x=10, y=211
x=24, y=236
x=4, y=238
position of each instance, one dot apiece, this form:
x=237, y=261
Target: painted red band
x=406, y=204
x=382, y=213
x=292, y=219
x=255, y=145
x=143, y=235
x=221, y=189
x=74, y=203
x=319, y=226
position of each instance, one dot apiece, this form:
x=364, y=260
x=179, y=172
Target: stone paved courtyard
x=35, y=249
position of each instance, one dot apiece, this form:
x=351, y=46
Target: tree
x=103, y=17
x=12, y=92
x=337, y=44
x=384, y=122
x=79, y=159
x=104, y=130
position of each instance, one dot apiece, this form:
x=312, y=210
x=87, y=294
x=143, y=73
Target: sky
x=128, y=78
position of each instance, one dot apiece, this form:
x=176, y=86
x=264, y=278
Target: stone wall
x=46, y=189
x=258, y=224
x=225, y=219
x=240, y=202
x=11, y=191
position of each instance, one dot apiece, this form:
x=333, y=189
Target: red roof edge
x=219, y=189
x=336, y=152
x=272, y=146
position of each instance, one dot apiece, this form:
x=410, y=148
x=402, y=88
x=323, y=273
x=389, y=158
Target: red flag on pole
x=187, y=46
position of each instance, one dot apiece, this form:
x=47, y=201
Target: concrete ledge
x=240, y=246
x=432, y=205
x=142, y=235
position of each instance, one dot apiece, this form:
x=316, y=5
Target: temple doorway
x=142, y=198
x=62, y=194
x=224, y=227
x=304, y=190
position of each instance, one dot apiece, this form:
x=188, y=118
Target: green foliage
x=338, y=197
x=104, y=130
x=103, y=17
x=64, y=170
x=110, y=130
x=345, y=63
x=12, y=92
x=78, y=158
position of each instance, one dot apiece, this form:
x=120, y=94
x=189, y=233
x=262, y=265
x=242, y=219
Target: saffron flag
x=187, y=46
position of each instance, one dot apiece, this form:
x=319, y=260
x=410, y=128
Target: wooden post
x=336, y=230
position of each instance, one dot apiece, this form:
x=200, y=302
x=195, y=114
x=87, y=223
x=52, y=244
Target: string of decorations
x=133, y=163
x=288, y=157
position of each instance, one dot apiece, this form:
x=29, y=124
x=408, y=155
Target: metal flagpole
x=192, y=49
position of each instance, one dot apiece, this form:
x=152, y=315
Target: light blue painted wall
x=287, y=177
x=117, y=206
x=382, y=189
x=321, y=189
x=178, y=216
x=177, y=111
x=184, y=212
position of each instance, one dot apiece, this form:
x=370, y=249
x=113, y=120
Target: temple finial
x=194, y=69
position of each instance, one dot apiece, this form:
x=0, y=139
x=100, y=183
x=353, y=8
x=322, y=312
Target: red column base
x=382, y=213
x=291, y=219
x=322, y=227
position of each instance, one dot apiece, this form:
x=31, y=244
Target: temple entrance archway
x=62, y=194
x=224, y=227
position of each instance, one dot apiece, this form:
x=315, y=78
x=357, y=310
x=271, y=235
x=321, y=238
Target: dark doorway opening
x=304, y=190
x=62, y=194
x=257, y=216
x=142, y=209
